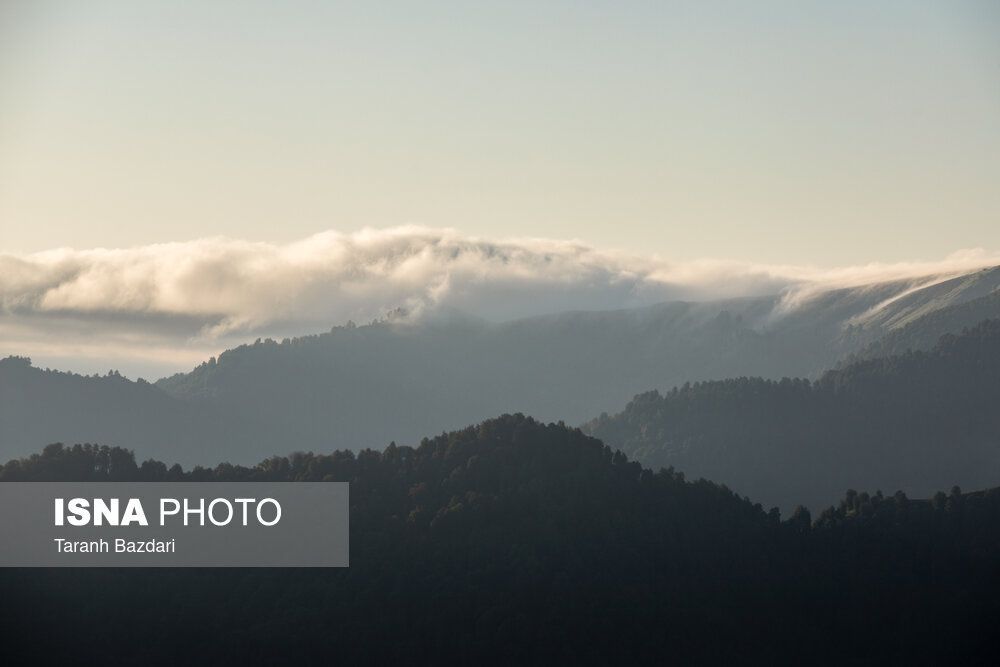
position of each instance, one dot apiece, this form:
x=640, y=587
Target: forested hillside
x=364, y=386
x=518, y=542
x=917, y=421
x=367, y=385
x=924, y=332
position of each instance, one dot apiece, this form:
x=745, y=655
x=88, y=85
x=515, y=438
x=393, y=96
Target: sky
x=178, y=176
x=792, y=132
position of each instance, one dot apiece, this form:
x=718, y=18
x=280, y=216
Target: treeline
x=519, y=542
x=916, y=421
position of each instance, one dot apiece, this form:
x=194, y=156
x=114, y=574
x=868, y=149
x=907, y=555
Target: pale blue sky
x=800, y=132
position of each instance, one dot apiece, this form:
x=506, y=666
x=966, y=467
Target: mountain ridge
x=360, y=386
x=913, y=421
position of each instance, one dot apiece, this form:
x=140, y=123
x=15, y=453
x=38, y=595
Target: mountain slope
x=917, y=422
x=515, y=542
x=361, y=386
x=393, y=381
x=923, y=332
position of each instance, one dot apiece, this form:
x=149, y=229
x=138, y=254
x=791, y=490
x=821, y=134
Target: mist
x=159, y=308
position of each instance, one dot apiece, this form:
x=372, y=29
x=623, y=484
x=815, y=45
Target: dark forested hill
x=917, y=421
x=515, y=542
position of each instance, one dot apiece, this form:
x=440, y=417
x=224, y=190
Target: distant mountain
x=39, y=406
x=515, y=542
x=361, y=386
x=924, y=332
x=915, y=422
x=396, y=381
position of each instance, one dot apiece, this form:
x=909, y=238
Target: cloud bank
x=178, y=302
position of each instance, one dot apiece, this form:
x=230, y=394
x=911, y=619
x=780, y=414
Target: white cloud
x=175, y=299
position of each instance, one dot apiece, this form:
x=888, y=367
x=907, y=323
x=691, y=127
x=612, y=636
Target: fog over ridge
x=178, y=301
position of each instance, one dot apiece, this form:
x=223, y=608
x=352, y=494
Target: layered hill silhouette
x=916, y=421
x=359, y=386
x=517, y=542
x=49, y=406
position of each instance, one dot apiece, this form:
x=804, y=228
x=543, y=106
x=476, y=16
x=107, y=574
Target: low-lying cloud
x=172, y=303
